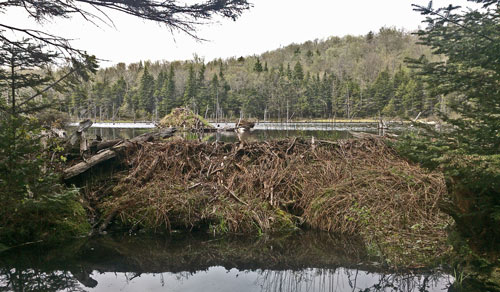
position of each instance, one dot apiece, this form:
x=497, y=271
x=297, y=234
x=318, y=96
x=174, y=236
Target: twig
x=234, y=196
x=194, y=186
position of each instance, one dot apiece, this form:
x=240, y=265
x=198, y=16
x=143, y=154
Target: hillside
x=348, y=77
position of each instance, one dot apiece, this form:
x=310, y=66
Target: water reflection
x=262, y=131
x=254, y=135
x=304, y=262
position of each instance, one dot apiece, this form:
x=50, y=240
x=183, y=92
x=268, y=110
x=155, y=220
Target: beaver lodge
x=353, y=187
x=185, y=119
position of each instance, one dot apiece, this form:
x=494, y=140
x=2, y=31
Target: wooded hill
x=350, y=77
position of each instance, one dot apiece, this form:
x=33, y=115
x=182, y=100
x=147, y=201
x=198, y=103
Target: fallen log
x=85, y=165
x=105, y=155
x=96, y=146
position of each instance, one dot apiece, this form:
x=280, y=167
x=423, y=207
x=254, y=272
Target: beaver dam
x=352, y=187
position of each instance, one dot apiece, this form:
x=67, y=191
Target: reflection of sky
x=311, y=280
x=261, y=132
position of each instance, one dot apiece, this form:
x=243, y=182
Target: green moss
x=74, y=223
x=49, y=218
x=284, y=221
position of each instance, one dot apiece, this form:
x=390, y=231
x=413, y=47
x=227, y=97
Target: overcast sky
x=267, y=26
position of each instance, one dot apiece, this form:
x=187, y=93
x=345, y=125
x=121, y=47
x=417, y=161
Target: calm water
x=307, y=261
x=254, y=135
x=261, y=132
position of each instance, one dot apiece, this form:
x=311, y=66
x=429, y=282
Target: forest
x=448, y=71
x=349, y=77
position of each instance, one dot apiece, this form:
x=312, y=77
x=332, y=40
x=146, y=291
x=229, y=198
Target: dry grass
x=351, y=186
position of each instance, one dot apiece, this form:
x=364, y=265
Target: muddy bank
x=355, y=187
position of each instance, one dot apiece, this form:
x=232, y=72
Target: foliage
x=173, y=15
x=34, y=205
x=348, y=77
x=467, y=147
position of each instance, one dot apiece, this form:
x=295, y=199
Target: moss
x=58, y=217
x=72, y=223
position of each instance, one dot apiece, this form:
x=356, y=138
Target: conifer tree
x=191, y=89
x=118, y=91
x=168, y=93
x=467, y=150
x=146, y=91
x=289, y=72
x=298, y=72
x=382, y=91
x=257, y=67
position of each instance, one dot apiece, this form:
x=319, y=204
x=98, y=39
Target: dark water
x=181, y=262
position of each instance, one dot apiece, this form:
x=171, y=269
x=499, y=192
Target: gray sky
x=267, y=26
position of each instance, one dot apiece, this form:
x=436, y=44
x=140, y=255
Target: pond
x=261, y=132
x=306, y=261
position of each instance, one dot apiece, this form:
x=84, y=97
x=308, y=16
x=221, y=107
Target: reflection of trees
x=37, y=280
x=280, y=262
x=295, y=281
x=331, y=280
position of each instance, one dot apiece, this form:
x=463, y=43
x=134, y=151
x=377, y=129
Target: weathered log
x=85, y=165
x=97, y=146
x=111, y=152
x=84, y=125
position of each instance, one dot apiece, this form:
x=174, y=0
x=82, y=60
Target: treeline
x=348, y=77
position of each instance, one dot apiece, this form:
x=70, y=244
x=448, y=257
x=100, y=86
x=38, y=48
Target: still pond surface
x=263, y=131
x=308, y=261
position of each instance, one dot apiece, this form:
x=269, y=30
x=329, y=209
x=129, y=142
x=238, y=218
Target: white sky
x=267, y=26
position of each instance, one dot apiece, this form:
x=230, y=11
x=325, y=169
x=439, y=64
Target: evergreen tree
x=281, y=70
x=369, y=36
x=191, y=89
x=118, y=91
x=258, y=66
x=214, y=90
x=203, y=93
x=468, y=150
x=381, y=91
x=201, y=75
x=146, y=92
x=34, y=204
x=168, y=93
x=288, y=72
x=298, y=72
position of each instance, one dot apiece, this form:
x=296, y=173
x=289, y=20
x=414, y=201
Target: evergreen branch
x=62, y=44
x=429, y=10
x=48, y=87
